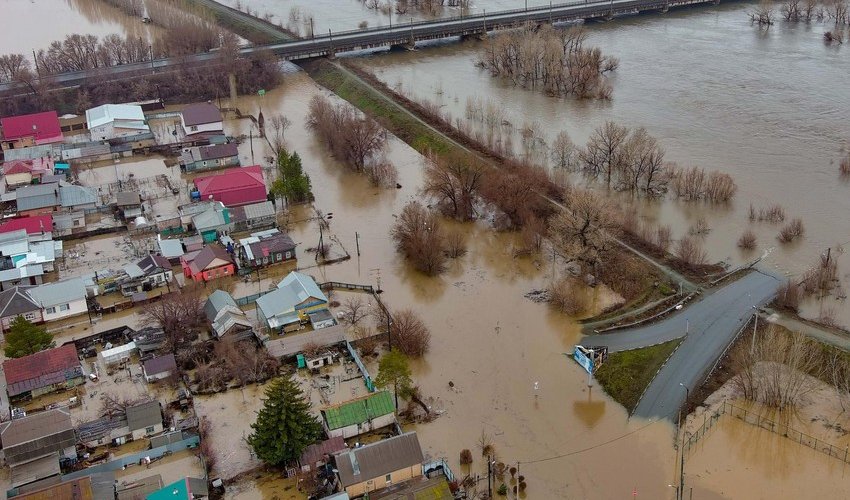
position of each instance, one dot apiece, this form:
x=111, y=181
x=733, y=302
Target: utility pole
x=516, y=488
x=681, y=490
x=489, y=477
x=755, y=329
x=357, y=239
x=251, y=140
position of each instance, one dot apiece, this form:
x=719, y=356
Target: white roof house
x=116, y=120
x=296, y=293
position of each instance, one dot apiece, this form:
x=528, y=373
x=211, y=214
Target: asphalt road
x=708, y=326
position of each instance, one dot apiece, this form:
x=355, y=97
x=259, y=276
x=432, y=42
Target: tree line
x=555, y=60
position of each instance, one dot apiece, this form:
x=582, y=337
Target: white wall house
x=116, y=120
x=61, y=299
x=201, y=118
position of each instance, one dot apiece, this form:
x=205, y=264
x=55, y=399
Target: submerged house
x=289, y=306
x=201, y=119
x=208, y=263
x=359, y=416
x=226, y=317
x=234, y=187
x=266, y=248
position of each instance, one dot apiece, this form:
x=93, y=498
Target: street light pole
x=755, y=329
x=681, y=490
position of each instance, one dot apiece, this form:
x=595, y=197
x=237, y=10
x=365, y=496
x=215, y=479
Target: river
x=765, y=106
x=28, y=25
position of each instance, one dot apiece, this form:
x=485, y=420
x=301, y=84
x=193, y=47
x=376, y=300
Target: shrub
x=569, y=297
x=788, y=296
x=409, y=333
x=792, y=231
x=690, y=251
x=503, y=490
x=465, y=457
x=747, y=241
x=418, y=236
x=455, y=245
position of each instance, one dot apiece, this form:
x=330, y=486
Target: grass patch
x=390, y=116
x=626, y=374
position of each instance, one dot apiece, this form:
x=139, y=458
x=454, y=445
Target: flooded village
x=231, y=267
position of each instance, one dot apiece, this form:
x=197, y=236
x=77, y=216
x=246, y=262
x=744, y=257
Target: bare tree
x=582, y=232
x=455, y=181
x=409, y=333
x=690, y=251
x=570, y=297
x=792, y=231
x=605, y=152
x=564, y=153
x=354, y=309
x=418, y=236
x=353, y=139
x=763, y=14
x=747, y=241
x=179, y=314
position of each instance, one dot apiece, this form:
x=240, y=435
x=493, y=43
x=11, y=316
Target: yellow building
x=379, y=465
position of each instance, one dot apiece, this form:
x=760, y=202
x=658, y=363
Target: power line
x=576, y=452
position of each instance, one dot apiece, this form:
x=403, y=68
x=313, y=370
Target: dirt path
x=821, y=333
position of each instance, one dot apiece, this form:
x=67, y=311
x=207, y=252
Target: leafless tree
x=455, y=244
x=179, y=314
x=690, y=251
x=354, y=309
x=582, y=232
x=353, y=139
x=763, y=14
x=564, y=153
x=11, y=66
x=605, y=152
x=516, y=192
x=569, y=296
x=454, y=180
x=789, y=296
x=409, y=333
x=418, y=236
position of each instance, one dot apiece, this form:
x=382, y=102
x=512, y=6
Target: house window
x=64, y=307
x=50, y=310
x=388, y=478
x=29, y=316
x=193, y=128
x=149, y=430
x=205, y=164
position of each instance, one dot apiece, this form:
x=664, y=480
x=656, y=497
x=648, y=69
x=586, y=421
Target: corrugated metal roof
x=40, y=369
x=171, y=248
x=35, y=196
x=59, y=292
x=201, y=114
x=72, y=195
x=32, y=427
x=160, y=364
x=145, y=414
x=108, y=113
x=359, y=411
x=378, y=459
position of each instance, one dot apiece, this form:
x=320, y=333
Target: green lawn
x=401, y=124
x=625, y=375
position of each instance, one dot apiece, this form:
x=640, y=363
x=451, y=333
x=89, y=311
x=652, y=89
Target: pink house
x=234, y=187
x=21, y=172
x=208, y=263
x=30, y=130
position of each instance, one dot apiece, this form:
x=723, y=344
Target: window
x=50, y=310
x=205, y=164
x=149, y=430
x=64, y=307
x=29, y=316
x=193, y=128
x=388, y=478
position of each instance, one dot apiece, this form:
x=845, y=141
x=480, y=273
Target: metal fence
x=754, y=418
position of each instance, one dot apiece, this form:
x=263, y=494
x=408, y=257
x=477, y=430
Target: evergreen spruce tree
x=25, y=338
x=284, y=426
x=292, y=183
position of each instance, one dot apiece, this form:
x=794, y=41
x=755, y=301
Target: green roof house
x=188, y=488
x=359, y=416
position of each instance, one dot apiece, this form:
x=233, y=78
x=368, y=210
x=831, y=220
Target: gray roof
x=215, y=303
x=18, y=273
x=133, y=271
x=140, y=488
x=127, y=198
x=171, y=248
x=160, y=364
x=60, y=292
x=38, y=469
x=201, y=114
x=291, y=345
x=37, y=435
x=73, y=196
x=216, y=151
x=259, y=210
x=378, y=459
x=144, y=415
x=16, y=301
x=35, y=196
x=294, y=289
x=209, y=219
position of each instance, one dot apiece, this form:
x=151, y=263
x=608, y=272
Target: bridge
x=395, y=35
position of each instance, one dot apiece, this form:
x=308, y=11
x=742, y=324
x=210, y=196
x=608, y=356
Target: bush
x=844, y=165
x=792, y=231
x=465, y=457
x=747, y=241
x=455, y=245
x=418, y=236
x=690, y=251
x=409, y=333
x=503, y=490
x=788, y=296
x=569, y=297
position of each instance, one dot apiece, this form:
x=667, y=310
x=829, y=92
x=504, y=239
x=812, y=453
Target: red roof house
x=35, y=225
x=234, y=187
x=30, y=130
x=208, y=263
x=21, y=172
x=43, y=372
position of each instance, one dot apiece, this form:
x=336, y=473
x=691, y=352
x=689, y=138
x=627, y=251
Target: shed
x=43, y=372
x=321, y=319
x=380, y=464
x=171, y=250
x=117, y=354
x=317, y=454
x=289, y=346
x=139, y=489
x=360, y=415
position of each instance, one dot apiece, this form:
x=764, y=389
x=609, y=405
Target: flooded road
x=28, y=25
x=759, y=106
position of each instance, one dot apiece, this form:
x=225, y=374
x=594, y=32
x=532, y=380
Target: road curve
x=708, y=326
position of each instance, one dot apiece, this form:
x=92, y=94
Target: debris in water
x=539, y=296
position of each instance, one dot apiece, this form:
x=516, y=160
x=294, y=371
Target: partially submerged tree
x=454, y=180
x=418, y=236
x=292, y=184
x=582, y=232
x=25, y=338
x=179, y=314
x=605, y=152
x=352, y=138
x=284, y=426
x=409, y=333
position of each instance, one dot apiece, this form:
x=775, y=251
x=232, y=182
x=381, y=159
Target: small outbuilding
x=359, y=416
x=159, y=367
x=145, y=419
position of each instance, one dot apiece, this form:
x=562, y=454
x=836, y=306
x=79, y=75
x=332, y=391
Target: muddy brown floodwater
x=490, y=342
x=28, y=25
x=758, y=105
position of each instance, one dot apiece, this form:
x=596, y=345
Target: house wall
x=102, y=132
x=379, y=483
x=200, y=165
x=32, y=317
x=140, y=433
x=23, y=142
x=274, y=258
x=199, y=129
x=38, y=211
x=15, y=180
x=218, y=272
x=29, y=280
x=73, y=382
x=362, y=428
x=59, y=311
